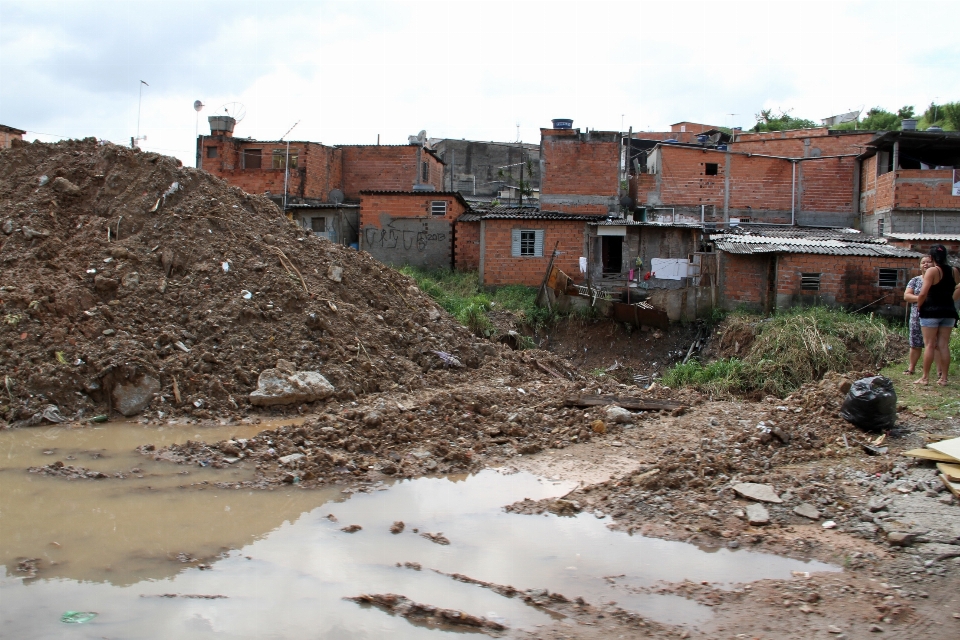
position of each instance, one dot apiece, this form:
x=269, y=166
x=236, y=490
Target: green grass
x=460, y=293
x=931, y=400
x=790, y=349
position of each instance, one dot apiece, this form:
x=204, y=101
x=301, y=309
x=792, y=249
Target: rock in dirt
x=397, y=527
x=901, y=538
x=619, y=415
x=807, y=510
x=353, y=528
x=280, y=386
x=758, y=492
x=757, y=514
x=65, y=187
x=130, y=399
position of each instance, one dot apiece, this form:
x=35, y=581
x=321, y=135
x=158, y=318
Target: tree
x=905, y=112
x=766, y=121
x=951, y=115
x=879, y=119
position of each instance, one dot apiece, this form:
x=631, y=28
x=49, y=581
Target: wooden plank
x=950, y=447
x=952, y=471
x=952, y=486
x=627, y=402
x=930, y=454
x=548, y=370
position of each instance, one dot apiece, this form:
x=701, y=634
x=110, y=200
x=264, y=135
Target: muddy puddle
x=281, y=568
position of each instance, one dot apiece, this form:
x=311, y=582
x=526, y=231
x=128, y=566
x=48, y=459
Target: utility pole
x=136, y=141
x=286, y=166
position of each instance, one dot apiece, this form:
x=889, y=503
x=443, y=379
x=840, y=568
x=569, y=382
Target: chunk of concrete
x=807, y=510
x=293, y=457
x=130, y=399
x=276, y=386
x=757, y=514
x=619, y=415
x=65, y=187
x=758, y=492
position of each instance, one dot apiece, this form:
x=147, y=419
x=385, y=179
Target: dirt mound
x=130, y=280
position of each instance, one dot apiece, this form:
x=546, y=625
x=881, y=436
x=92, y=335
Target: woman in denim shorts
x=938, y=315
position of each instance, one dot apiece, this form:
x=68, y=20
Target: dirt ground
x=120, y=266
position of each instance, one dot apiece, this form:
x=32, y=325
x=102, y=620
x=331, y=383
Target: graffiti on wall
x=398, y=235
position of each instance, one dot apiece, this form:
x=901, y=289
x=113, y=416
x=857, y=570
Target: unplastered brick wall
x=868, y=185
x=467, y=246
x=798, y=144
x=691, y=127
x=924, y=189
x=745, y=280
x=316, y=173
x=416, y=204
x=500, y=267
x=387, y=168
x=846, y=280
x=579, y=164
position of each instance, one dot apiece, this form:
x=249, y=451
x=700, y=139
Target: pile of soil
x=122, y=266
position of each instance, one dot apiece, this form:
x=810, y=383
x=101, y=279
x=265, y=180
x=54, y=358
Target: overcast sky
x=348, y=71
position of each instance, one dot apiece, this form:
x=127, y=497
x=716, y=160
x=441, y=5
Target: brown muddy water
x=282, y=567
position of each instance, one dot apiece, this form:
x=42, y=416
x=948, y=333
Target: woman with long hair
x=938, y=315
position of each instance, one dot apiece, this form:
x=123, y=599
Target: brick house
x=769, y=268
x=318, y=174
x=8, y=135
x=580, y=172
x=907, y=183
x=411, y=227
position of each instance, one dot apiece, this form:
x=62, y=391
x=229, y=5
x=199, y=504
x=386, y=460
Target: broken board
x=950, y=447
x=626, y=402
x=952, y=471
x=930, y=454
x=952, y=486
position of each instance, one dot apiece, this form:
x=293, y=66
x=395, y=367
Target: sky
x=350, y=72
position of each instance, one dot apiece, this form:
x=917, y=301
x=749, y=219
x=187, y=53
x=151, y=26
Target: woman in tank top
x=938, y=315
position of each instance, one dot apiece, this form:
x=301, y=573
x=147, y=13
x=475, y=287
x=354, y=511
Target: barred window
x=889, y=278
x=280, y=156
x=438, y=208
x=810, y=282
x=527, y=243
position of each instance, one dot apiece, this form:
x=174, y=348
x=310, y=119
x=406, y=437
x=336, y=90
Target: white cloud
x=352, y=70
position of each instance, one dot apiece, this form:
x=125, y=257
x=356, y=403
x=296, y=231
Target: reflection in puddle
x=284, y=567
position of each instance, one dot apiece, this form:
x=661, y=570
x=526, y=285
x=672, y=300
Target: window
x=438, y=207
x=810, y=282
x=280, y=155
x=527, y=243
x=712, y=169
x=318, y=225
x=251, y=158
x=424, y=172
x=879, y=226
x=889, y=278
x=211, y=152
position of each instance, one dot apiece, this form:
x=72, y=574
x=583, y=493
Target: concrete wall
x=498, y=266
x=908, y=200
x=468, y=163
x=400, y=229
x=579, y=172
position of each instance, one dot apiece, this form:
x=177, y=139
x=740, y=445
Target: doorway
x=611, y=252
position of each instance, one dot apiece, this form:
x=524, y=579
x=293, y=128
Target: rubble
x=426, y=614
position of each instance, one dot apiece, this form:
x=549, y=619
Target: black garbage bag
x=871, y=404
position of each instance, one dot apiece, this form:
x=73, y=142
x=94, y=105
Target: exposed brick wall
x=500, y=267
x=579, y=164
x=916, y=189
x=7, y=138
x=745, y=280
x=317, y=171
x=691, y=127
x=387, y=168
x=816, y=142
x=883, y=198
x=847, y=280
x=826, y=185
x=466, y=254
x=422, y=238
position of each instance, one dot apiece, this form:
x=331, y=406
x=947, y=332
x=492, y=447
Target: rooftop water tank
x=221, y=125
x=908, y=124
x=562, y=123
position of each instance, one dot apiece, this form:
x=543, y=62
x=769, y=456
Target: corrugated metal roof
x=831, y=248
x=621, y=222
x=532, y=214
x=324, y=205
x=932, y=237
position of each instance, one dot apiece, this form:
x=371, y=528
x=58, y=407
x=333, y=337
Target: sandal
x=909, y=372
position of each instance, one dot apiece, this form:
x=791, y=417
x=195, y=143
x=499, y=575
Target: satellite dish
x=420, y=138
x=335, y=196
x=197, y=105
x=235, y=110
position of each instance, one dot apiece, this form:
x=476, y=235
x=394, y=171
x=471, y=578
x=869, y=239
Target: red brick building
x=580, y=172
x=769, y=268
x=411, y=227
x=8, y=135
x=317, y=173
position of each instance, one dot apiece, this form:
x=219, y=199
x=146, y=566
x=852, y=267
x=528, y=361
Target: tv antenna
x=286, y=164
x=197, y=106
x=136, y=140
